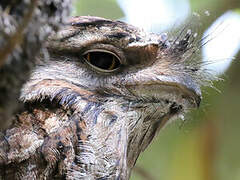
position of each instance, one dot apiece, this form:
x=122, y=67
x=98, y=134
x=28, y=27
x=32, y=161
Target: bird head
x=121, y=84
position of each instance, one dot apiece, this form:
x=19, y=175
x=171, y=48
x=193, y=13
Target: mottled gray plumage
x=82, y=123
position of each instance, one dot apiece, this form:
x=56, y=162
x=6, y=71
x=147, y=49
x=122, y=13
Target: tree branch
x=23, y=31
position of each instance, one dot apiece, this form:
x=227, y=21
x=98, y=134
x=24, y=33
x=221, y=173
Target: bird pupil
x=103, y=60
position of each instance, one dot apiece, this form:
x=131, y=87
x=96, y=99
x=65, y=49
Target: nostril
x=174, y=108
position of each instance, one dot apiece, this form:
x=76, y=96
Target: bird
x=97, y=99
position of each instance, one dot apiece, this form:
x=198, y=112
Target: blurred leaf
x=223, y=42
x=155, y=15
x=237, y=11
x=203, y=4
x=103, y=8
x=185, y=163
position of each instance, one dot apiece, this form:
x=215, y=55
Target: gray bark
x=24, y=26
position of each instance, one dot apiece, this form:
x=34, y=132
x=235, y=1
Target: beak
x=108, y=150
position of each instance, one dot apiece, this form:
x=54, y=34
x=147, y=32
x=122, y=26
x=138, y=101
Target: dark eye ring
x=102, y=60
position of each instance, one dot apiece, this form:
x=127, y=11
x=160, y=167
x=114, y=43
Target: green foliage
x=237, y=11
x=102, y=8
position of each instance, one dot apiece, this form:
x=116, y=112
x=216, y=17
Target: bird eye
x=102, y=60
